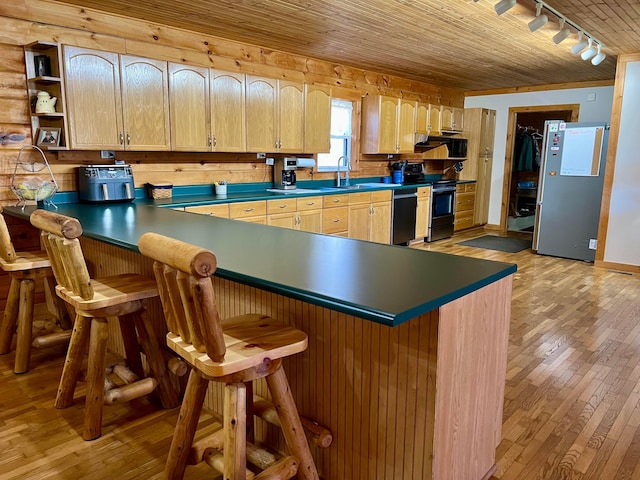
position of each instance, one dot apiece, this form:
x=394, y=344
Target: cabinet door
x=422, y=118
x=93, y=99
x=487, y=131
x=217, y=210
x=317, y=119
x=380, y=230
x=290, y=118
x=379, y=124
x=189, y=108
x=406, y=126
x=310, y=221
x=228, y=126
x=359, y=221
x=284, y=220
x=483, y=190
x=422, y=212
x=145, y=103
x=261, y=114
x=457, y=123
x=434, y=119
x=446, y=118
x=388, y=125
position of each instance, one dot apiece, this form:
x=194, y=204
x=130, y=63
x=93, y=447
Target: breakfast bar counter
x=407, y=348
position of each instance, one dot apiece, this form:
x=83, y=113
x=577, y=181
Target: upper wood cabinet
x=388, y=124
x=275, y=115
x=487, y=131
x=116, y=102
x=434, y=125
x=451, y=119
x=189, y=108
x=145, y=103
x=422, y=117
x=317, y=119
x=229, y=129
x=94, y=99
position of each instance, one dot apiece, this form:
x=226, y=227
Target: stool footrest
x=131, y=391
x=321, y=436
x=51, y=339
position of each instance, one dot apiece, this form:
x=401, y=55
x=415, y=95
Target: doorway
x=522, y=162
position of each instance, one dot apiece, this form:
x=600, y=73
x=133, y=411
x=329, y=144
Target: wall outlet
x=593, y=244
x=107, y=154
x=269, y=161
x=261, y=156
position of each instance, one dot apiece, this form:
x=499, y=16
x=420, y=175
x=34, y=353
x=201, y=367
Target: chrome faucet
x=346, y=175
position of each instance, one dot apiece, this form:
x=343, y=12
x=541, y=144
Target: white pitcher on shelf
x=45, y=103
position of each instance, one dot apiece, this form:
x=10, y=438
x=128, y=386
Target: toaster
x=105, y=183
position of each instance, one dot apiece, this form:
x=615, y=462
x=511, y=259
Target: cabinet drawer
x=330, y=201
x=424, y=192
x=308, y=203
x=465, y=187
x=463, y=220
x=335, y=220
x=218, y=210
x=381, y=196
x=282, y=205
x=247, y=209
x=360, y=197
x=465, y=202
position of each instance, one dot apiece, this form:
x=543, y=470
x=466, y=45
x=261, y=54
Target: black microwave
x=457, y=146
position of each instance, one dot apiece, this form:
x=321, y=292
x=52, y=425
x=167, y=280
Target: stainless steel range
x=443, y=206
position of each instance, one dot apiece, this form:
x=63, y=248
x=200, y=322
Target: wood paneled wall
x=25, y=21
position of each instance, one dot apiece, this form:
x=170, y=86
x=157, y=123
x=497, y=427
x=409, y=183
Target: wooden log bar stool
x=24, y=269
x=123, y=296
x=234, y=351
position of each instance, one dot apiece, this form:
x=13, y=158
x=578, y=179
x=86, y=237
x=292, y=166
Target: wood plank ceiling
x=456, y=43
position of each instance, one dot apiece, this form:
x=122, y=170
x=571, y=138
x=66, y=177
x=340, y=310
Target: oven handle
x=446, y=189
x=404, y=195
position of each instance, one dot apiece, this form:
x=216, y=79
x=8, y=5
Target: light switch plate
x=593, y=244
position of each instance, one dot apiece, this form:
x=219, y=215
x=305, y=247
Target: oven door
x=442, y=214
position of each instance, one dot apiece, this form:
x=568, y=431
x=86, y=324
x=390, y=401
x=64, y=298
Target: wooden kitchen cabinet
x=309, y=214
x=189, y=108
x=228, y=115
x=335, y=214
x=423, y=211
x=53, y=84
x=255, y=211
x=451, y=119
x=275, y=115
x=434, y=125
x=465, y=204
x=317, y=119
x=281, y=212
x=370, y=216
x=388, y=124
x=116, y=102
x=216, y=210
x=480, y=131
x=422, y=117
x=94, y=99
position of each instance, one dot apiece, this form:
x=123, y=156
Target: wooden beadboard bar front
x=420, y=400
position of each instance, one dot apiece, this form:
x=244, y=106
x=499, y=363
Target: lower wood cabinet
x=217, y=210
x=465, y=206
x=299, y=214
x=423, y=211
x=249, y=211
x=370, y=216
x=335, y=215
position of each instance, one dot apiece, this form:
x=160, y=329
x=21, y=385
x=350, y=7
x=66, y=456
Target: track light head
x=581, y=45
x=599, y=58
x=504, y=5
x=540, y=20
x=562, y=34
x=589, y=52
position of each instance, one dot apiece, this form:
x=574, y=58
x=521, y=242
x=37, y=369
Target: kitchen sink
x=361, y=186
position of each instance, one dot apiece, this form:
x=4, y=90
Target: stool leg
x=25, y=323
x=10, y=316
x=168, y=395
x=95, y=378
x=235, y=431
x=186, y=426
x=291, y=426
x=73, y=361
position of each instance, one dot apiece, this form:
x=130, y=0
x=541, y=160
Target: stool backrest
x=183, y=274
x=59, y=235
x=7, y=252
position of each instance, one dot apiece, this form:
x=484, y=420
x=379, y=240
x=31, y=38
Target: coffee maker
x=284, y=173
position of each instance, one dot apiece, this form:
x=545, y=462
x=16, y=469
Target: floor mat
x=528, y=229
x=502, y=244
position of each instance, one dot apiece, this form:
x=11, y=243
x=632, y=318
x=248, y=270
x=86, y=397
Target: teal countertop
x=382, y=283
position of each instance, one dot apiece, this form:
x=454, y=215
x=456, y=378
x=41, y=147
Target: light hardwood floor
x=572, y=406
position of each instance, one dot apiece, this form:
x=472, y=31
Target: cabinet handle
x=249, y=209
x=279, y=144
x=121, y=139
x=215, y=141
x=336, y=220
x=310, y=203
x=276, y=144
x=370, y=210
x=128, y=139
x=282, y=206
x=336, y=201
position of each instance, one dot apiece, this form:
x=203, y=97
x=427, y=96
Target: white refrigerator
x=570, y=189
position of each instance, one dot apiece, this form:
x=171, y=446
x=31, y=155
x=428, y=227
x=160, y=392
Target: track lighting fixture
x=504, y=5
x=539, y=21
x=599, y=58
x=589, y=52
x=562, y=34
x=594, y=50
x=581, y=45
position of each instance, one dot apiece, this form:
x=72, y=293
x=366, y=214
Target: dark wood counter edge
x=368, y=313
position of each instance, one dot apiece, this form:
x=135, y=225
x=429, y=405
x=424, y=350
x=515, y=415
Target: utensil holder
x=220, y=189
